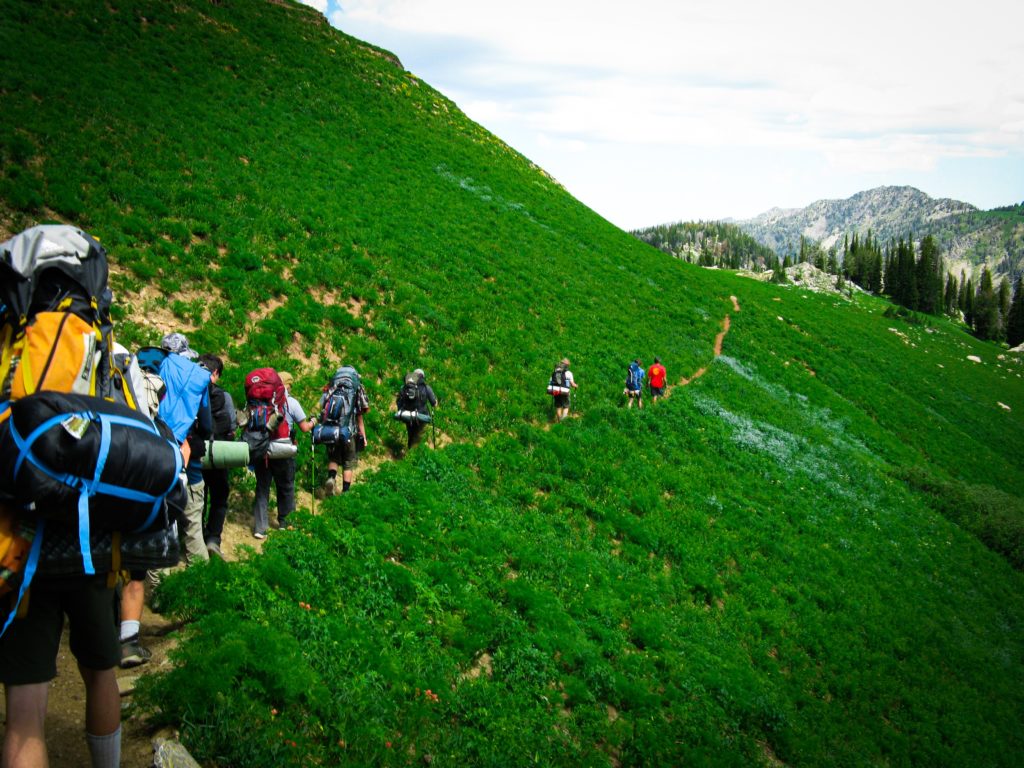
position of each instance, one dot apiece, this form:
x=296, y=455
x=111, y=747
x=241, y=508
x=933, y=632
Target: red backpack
x=265, y=398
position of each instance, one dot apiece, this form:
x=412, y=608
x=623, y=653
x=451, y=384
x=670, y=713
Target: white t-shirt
x=294, y=414
x=568, y=378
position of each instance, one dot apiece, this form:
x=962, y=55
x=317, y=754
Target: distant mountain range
x=968, y=237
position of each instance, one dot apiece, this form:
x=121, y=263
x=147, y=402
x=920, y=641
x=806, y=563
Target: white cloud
x=881, y=88
x=320, y=5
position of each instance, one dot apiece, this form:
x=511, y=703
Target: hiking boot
x=133, y=654
x=213, y=547
x=329, y=486
x=258, y=535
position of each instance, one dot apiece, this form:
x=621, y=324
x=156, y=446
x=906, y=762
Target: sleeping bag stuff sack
x=554, y=389
x=408, y=417
x=330, y=434
x=91, y=463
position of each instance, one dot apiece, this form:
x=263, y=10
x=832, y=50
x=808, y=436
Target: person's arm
x=299, y=416
x=431, y=397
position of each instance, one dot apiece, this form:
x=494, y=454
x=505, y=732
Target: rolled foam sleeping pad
x=410, y=416
x=225, y=454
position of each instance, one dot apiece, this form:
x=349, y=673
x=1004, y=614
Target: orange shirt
x=656, y=374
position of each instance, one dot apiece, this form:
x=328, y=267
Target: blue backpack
x=634, y=377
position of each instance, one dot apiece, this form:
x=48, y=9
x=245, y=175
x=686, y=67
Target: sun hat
x=286, y=378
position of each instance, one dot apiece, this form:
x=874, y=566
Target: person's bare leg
x=102, y=716
x=25, y=738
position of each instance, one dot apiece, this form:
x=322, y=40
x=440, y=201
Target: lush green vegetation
x=764, y=567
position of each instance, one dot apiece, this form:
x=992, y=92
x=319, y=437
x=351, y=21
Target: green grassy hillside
x=810, y=555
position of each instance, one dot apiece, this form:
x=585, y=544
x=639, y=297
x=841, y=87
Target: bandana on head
x=178, y=344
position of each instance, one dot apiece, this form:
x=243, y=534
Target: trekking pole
x=433, y=430
x=312, y=478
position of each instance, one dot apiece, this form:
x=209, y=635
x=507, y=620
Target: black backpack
x=558, y=376
x=223, y=424
x=411, y=396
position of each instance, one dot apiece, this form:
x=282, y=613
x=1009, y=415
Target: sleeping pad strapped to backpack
x=72, y=460
x=556, y=384
x=411, y=403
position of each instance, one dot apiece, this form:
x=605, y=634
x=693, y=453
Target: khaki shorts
x=344, y=454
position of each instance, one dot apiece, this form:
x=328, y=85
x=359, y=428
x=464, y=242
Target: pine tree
x=950, y=296
x=986, y=309
x=1015, y=317
x=1004, y=306
x=925, y=272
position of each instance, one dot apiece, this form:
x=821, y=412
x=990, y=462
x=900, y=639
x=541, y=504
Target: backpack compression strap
x=30, y=571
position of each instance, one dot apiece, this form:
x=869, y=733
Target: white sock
x=129, y=629
x=105, y=751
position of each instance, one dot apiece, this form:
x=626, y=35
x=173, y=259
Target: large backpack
x=411, y=397
x=343, y=400
x=633, y=377
x=266, y=402
x=411, y=403
x=557, y=384
x=73, y=447
x=55, y=330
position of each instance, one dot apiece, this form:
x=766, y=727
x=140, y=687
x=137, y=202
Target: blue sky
x=665, y=110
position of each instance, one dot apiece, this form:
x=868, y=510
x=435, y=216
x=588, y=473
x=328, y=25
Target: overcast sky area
x=657, y=111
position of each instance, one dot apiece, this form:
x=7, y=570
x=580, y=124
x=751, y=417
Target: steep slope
x=758, y=569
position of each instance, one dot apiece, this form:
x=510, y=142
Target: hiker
x=656, y=376
x=185, y=408
x=280, y=471
x=634, y=384
x=341, y=426
x=413, y=405
x=560, y=386
x=54, y=278
x=222, y=409
x=193, y=388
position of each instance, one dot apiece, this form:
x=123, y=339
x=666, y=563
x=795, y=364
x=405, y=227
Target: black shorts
x=657, y=391
x=561, y=401
x=28, y=650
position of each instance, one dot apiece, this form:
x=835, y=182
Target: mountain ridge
x=969, y=238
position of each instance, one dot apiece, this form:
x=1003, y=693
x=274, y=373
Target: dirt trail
x=66, y=709
x=726, y=323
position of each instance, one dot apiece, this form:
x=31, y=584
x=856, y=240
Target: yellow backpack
x=55, y=335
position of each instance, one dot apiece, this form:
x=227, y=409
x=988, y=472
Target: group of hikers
x=635, y=375
x=115, y=464
x=562, y=382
